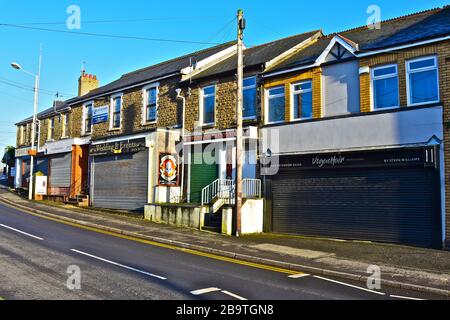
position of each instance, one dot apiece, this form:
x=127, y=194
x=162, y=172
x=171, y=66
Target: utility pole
x=239, y=110
x=33, y=129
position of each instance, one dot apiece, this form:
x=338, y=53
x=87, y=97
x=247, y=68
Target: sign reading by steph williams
x=100, y=114
x=168, y=170
x=119, y=147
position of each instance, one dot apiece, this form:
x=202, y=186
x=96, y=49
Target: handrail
x=220, y=188
x=251, y=188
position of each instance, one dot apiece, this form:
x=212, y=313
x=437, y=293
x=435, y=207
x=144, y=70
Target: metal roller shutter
x=389, y=205
x=60, y=171
x=121, y=182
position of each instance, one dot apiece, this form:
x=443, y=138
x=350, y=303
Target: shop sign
x=117, y=148
x=424, y=157
x=22, y=152
x=100, y=114
x=168, y=170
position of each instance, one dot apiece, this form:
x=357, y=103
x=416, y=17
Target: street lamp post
x=35, y=110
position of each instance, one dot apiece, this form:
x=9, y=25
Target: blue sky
x=202, y=21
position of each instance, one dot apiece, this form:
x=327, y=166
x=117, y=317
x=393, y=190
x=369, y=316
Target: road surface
x=37, y=257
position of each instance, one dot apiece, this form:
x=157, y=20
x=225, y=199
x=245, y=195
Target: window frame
x=253, y=86
x=202, y=105
x=144, y=113
x=408, y=79
x=83, y=123
x=50, y=129
x=267, y=103
x=64, y=125
x=112, y=111
x=21, y=135
x=294, y=92
x=373, y=78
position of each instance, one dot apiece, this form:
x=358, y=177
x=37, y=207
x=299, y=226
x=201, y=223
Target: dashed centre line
x=21, y=232
x=119, y=265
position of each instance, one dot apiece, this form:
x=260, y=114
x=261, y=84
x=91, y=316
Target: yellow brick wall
x=314, y=75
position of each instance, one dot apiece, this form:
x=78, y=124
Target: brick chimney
x=86, y=83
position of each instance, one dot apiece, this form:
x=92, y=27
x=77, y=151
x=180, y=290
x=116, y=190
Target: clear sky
x=108, y=58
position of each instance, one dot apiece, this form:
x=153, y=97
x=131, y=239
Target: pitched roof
x=138, y=76
x=403, y=30
x=257, y=55
x=158, y=70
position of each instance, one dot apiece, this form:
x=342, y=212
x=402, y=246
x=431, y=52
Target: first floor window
x=385, y=87
x=249, y=98
x=151, y=104
x=116, y=112
x=51, y=128
x=276, y=104
x=423, y=83
x=209, y=103
x=65, y=125
x=88, y=118
x=302, y=94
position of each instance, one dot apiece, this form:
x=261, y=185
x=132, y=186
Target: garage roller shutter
x=389, y=205
x=120, y=182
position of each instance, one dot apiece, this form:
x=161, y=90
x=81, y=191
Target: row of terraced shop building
x=346, y=136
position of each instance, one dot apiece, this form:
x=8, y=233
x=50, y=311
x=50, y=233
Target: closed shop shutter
x=120, y=182
x=60, y=171
x=399, y=205
x=202, y=175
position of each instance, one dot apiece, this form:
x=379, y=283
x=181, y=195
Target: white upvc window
x=87, y=118
x=51, y=128
x=65, y=125
x=302, y=100
x=150, y=104
x=422, y=81
x=208, y=105
x=250, y=98
x=276, y=105
x=115, y=112
x=385, y=93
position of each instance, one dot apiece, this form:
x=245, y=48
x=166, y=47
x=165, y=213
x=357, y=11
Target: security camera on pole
x=33, y=151
x=239, y=111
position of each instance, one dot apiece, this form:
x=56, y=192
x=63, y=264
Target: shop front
x=66, y=164
x=126, y=172
x=376, y=177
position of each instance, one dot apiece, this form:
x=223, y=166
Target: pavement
x=243, y=263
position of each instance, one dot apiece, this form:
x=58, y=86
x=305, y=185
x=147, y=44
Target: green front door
x=202, y=174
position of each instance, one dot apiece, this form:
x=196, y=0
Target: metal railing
x=219, y=189
x=251, y=188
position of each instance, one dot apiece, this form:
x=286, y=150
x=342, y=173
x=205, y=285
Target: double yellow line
x=163, y=245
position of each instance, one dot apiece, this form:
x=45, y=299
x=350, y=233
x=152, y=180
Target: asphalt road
x=36, y=255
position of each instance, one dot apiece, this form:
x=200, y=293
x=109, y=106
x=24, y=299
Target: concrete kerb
x=247, y=258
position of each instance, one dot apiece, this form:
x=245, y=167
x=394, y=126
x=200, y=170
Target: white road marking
x=214, y=289
x=203, y=291
x=350, y=285
x=300, y=275
x=408, y=298
x=233, y=295
x=119, y=265
x=24, y=233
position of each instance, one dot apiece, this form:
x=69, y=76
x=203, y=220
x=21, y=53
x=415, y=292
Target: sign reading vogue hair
x=100, y=114
x=119, y=147
x=168, y=170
